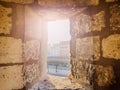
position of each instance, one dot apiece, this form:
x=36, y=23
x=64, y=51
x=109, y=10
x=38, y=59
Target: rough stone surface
x=82, y=24
x=110, y=0
x=78, y=70
x=57, y=83
x=35, y=52
x=11, y=77
x=32, y=50
x=60, y=3
x=10, y=50
x=31, y=73
x=96, y=47
x=88, y=48
x=82, y=71
x=73, y=48
x=111, y=46
x=19, y=1
x=84, y=48
x=98, y=21
x=115, y=17
x=5, y=20
x=105, y=75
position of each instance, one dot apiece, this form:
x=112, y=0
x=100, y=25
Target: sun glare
x=58, y=30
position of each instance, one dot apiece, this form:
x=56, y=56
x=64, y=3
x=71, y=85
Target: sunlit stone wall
x=35, y=48
x=11, y=51
x=5, y=20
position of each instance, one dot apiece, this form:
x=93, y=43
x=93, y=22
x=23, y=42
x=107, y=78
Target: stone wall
x=6, y=22
x=19, y=1
x=34, y=56
x=95, y=51
x=22, y=59
x=11, y=50
x=68, y=3
x=95, y=42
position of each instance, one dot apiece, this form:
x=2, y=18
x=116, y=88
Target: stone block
x=84, y=48
x=19, y=1
x=32, y=50
x=105, y=75
x=98, y=21
x=92, y=2
x=32, y=73
x=96, y=47
x=10, y=50
x=61, y=3
x=115, y=17
x=11, y=77
x=82, y=24
x=110, y=0
x=5, y=20
x=73, y=48
x=82, y=71
x=111, y=46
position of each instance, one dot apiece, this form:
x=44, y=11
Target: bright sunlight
x=58, y=30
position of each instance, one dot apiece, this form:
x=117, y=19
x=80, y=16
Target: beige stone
x=59, y=3
x=32, y=73
x=84, y=48
x=105, y=75
x=32, y=50
x=81, y=24
x=11, y=77
x=98, y=21
x=5, y=21
x=110, y=0
x=111, y=46
x=96, y=47
x=92, y=2
x=84, y=23
x=10, y=50
x=115, y=17
x=82, y=71
x=19, y=1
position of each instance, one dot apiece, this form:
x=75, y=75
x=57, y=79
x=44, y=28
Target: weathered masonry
x=94, y=46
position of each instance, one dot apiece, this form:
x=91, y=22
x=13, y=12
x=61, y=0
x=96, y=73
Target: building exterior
x=61, y=49
x=54, y=50
x=65, y=48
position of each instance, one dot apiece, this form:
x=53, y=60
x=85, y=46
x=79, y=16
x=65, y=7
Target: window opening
x=58, y=60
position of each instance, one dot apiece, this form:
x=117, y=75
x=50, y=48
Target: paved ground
x=56, y=82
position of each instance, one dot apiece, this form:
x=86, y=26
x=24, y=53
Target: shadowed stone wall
x=95, y=51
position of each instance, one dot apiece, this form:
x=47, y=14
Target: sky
x=58, y=30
